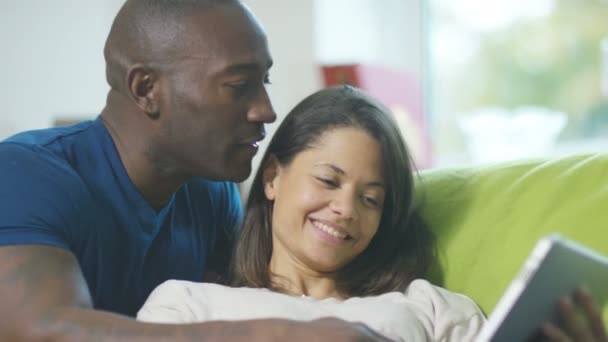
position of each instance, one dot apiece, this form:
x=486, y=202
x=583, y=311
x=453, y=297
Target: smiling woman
x=331, y=229
x=333, y=156
x=327, y=204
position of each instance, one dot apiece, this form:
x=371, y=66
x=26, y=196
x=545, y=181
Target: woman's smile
x=330, y=232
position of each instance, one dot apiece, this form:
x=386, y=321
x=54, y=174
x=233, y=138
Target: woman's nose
x=344, y=204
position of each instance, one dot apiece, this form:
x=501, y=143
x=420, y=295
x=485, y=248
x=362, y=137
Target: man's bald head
x=151, y=32
x=188, y=81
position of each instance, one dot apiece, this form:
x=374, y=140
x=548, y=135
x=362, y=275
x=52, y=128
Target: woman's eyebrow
x=332, y=166
x=376, y=184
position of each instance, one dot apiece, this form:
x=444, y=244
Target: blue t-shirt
x=66, y=187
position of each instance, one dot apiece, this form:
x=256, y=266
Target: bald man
x=94, y=216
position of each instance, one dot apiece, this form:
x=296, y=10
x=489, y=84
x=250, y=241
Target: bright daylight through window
x=515, y=78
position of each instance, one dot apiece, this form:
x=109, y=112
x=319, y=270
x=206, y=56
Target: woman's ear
x=271, y=178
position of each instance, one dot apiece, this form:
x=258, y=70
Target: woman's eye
x=371, y=201
x=328, y=182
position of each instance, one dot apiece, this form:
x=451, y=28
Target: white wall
x=387, y=32
x=51, y=61
x=289, y=27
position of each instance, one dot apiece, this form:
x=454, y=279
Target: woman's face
x=328, y=201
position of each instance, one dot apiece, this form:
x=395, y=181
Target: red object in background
x=398, y=90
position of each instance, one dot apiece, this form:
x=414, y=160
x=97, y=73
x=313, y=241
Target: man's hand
x=581, y=320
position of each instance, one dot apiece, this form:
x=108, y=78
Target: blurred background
x=470, y=81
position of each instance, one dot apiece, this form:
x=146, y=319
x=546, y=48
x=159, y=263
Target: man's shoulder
x=46, y=138
x=51, y=149
x=22, y=158
x=43, y=199
x=49, y=145
x=41, y=169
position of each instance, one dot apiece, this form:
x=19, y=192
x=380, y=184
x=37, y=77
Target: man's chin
x=234, y=172
x=238, y=174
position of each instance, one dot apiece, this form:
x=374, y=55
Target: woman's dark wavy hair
x=402, y=249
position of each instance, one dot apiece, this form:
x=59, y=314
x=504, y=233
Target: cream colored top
x=422, y=313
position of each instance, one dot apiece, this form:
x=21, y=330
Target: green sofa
x=488, y=218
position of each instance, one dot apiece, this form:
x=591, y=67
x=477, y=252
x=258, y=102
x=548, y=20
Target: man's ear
x=142, y=86
x=271, y=177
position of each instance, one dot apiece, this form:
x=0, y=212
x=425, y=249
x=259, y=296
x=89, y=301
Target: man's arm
x=45, y=298
x=42, y=289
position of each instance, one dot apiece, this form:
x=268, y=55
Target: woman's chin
x=326, y=263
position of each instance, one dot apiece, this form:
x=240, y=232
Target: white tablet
x=556, y=267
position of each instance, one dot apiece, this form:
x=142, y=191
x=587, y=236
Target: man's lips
x=251, y=149
x=253, y=140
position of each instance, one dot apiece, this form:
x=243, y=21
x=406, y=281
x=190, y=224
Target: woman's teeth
x=329, y=230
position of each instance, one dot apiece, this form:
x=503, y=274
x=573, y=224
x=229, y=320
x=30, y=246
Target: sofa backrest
x=487, y=219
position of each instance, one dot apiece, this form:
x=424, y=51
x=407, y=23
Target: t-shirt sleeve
x=453, y=317
x=38, y=197
x=228, y=224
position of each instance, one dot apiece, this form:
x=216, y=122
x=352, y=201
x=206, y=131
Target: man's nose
x=262, y=110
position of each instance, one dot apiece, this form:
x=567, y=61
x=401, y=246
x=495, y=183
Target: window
x=516, y=78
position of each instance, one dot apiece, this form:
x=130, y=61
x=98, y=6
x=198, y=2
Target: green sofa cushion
x=487, y=219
